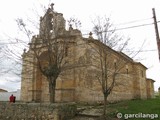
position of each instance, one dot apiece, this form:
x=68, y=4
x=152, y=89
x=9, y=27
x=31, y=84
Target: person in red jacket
x=11, y=98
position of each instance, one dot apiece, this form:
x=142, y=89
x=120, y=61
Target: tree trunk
x=104, y=107
x=52, y=87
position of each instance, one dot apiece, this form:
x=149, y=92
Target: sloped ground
x=93, y=113
x=84, y=118
x=147, y=106
x=92, y=118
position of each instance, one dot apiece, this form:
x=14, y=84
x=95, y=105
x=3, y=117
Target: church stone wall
x=80, y=83
x=150, y=88
x=27, y=77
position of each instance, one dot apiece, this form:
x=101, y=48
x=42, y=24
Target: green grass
x=150, y=106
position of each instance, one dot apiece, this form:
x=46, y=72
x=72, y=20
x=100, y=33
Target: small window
x=66, y=51
x=115, y=63
x=127, y=69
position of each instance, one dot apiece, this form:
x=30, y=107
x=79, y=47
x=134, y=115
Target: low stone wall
x=37, y=111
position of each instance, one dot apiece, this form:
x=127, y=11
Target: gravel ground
x=90, y=118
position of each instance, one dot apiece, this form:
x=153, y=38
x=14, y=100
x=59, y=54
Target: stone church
x=80, y=84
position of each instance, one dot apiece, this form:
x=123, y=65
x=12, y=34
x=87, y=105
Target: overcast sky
x=123, y=14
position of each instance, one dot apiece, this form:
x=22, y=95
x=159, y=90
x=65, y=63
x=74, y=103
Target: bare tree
x=50, y=60
x=14, y=45
x=50, y=48
x=112, y=62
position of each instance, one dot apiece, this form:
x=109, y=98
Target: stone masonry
x=36, y=111
x=80, y=83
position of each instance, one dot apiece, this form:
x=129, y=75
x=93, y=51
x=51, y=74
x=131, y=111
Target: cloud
x=10, y=83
